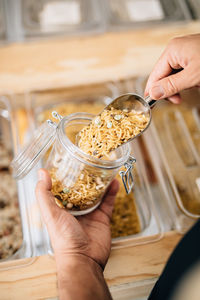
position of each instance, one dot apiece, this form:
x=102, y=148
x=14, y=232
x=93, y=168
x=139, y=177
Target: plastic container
x=173, y=142
x=47, y=17
x=35, y=240
x=194, y=6
x=12, y=242
x=183, y=158
x=136, y=13
x=2, y=21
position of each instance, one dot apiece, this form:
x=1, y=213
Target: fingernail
x=157, y=92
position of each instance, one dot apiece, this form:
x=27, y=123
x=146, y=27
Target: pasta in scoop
x=109, y=130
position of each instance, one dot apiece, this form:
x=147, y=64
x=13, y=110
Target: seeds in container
x=100, y=186
x=65, y=190
x=95, y=152
x=69, y=205
x=97, y=121
x=117, y=117
x=109, y=124
x=81, y=176
x=98, y=180
x=58, y=197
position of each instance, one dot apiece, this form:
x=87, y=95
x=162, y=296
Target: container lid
x=43, y=138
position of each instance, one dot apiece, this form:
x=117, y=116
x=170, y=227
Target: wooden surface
x=75, y=61
x=127, y=268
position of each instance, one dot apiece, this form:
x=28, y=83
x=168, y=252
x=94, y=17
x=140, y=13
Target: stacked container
x=29, y=19
x=2, y=22
x=129, y=14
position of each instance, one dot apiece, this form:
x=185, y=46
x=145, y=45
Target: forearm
x=79, y=277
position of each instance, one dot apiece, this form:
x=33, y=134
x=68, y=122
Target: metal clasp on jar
x=127, y=176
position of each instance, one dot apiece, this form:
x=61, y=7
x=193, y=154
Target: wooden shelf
x=64, y=62
x=35, y=278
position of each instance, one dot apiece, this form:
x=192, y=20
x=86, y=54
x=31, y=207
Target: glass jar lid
x=30, y=155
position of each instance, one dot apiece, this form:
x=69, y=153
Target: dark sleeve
x=186, y=254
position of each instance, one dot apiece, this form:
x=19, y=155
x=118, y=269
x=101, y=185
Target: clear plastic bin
x=12, y=243
x=183, y=159
x=33, y=238
x=45, y=17
x=137, y=13
x=2, y=21
x=173, y=142
x=194, y=6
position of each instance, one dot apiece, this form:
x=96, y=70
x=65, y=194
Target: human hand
x=87, y=235
x=182, y=53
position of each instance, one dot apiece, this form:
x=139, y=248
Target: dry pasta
x=109, y=130
x=86, y=192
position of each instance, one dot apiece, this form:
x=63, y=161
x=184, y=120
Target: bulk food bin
x=194, y=6
x=173, y=142
x=47, y=17
x=14, y=234
x=2, y=22
x=20, y=218
x=127, y=14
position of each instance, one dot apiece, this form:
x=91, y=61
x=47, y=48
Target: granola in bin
x=10, y=223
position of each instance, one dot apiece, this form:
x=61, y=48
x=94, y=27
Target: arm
x=81, y=245
x=79, y=277
x=182, y=54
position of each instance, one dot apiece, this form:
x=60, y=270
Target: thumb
x=45, y=198
x=171, y=85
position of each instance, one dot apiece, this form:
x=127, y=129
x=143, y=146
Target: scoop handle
x=150, y=101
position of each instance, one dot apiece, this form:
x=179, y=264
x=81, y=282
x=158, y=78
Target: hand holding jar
x=81, y=243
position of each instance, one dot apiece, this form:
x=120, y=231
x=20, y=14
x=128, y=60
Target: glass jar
x=79, y=181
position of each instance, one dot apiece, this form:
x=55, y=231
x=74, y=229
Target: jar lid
x=43, y=138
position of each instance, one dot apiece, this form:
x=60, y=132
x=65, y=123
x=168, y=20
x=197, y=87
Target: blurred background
x=27, y=19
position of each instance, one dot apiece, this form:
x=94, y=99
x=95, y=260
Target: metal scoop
x=133, y=102
x=127, y=103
